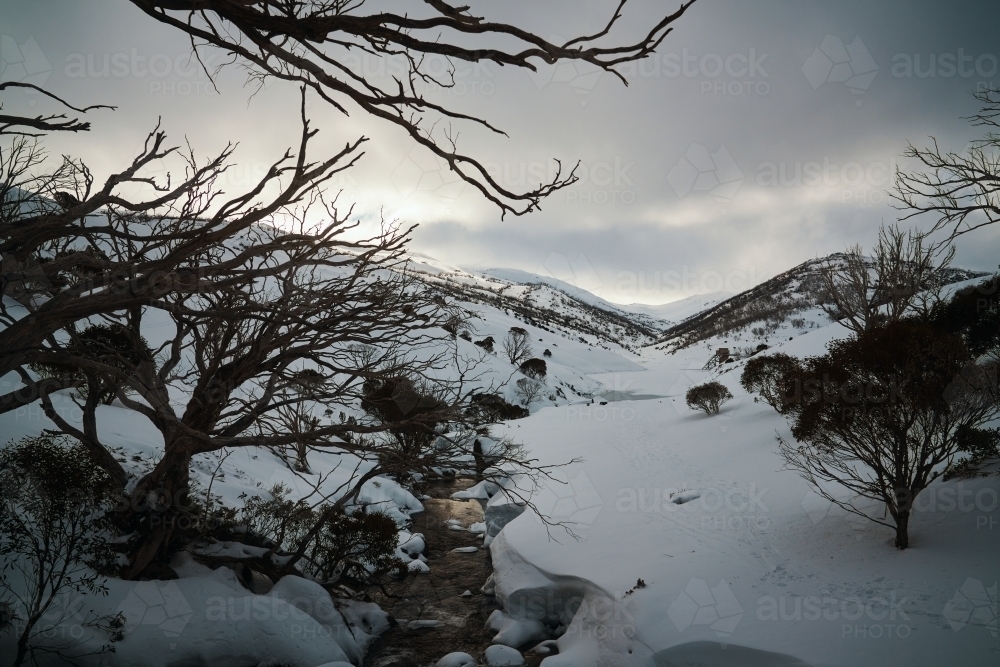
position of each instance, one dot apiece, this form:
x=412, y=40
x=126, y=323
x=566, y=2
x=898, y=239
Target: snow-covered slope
x=790, y=300
x=695, y=547
x=544, y=302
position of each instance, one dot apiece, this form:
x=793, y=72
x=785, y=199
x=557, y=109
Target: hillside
x=787, y=303
x=545, y=303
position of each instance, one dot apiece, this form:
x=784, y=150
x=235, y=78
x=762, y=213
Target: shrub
x=54, y=506
x=494, y=408
x=486, y=344
x=534, y=368
x=335, y=544
x=974, y=315
x=708, y=397
x=547, y=353
x=528, y=390
x=412, y=417
x=768, y=376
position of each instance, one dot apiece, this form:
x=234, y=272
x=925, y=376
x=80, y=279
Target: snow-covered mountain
x=789, y=302
x=545, y=303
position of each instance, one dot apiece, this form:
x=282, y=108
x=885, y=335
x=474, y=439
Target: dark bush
x=110, y=344
x=769, y=376
x=486, y=343
x=974, y=315
x=345, y=545
x=547, y=353
x=708, y=397
x=534, y=368
x=494, y=408
x=394, y=400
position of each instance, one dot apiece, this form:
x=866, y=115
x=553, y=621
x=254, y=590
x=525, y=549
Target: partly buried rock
x=457, y=659
x=500, y=510
x=515, y=632
x=503, y=656
x=365, y=620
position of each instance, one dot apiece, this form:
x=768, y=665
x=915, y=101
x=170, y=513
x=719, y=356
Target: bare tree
x=517, y=345
x=311, y=42
x=902, y=275
x=305, y=325
x=884, y=415
x=104, y=253
x=528, y=389
x=961, y=189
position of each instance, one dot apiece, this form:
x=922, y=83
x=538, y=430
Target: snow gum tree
x=885, y=414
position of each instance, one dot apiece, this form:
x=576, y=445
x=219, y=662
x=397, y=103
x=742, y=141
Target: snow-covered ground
x=690, y=545
x=734, y=552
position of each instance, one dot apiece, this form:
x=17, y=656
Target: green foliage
x=492, y=408
x=54, y=507
x=708, y=397
x=899, y=371
x=411, y=414
x=335, y=544
x=982, y=446
x=974, y=315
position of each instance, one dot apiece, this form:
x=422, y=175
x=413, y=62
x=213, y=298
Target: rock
x=501, y=509
x=457, y=659
x=490, y=587
x=514, y=631
x=503, y=656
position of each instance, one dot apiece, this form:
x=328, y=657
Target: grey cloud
x=780, y=136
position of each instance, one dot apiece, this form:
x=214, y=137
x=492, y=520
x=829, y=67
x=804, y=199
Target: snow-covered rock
x=503, y=656
x=456, y=659
x=500, y=510
x=514, y=632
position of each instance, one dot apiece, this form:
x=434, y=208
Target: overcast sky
x=763, y=133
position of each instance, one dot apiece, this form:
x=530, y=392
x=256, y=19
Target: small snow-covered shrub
x=534, y=368
x=708, y=397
